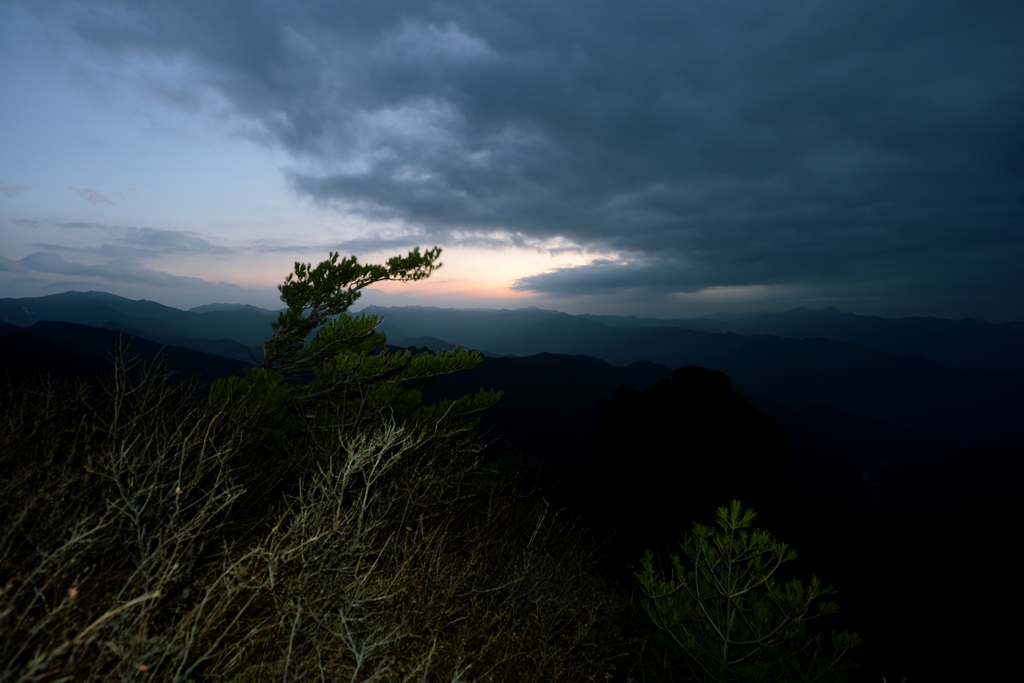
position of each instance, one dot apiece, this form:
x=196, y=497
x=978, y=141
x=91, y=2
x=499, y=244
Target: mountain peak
x=229, y=308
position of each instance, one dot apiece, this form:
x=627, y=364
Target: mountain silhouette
x=547, y=410
x=671, y=454
x=69, y=351
x=966, y=344
x=246, y=325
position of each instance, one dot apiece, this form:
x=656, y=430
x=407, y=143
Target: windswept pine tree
x=334, y=367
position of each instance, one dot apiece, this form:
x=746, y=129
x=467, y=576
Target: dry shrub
x=140, y=540
x=113, y=507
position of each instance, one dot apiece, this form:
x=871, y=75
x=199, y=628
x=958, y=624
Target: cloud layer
x=830, y=145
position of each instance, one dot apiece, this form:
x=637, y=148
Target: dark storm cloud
x=604, y=276
x=123, y=270
x=711, y=143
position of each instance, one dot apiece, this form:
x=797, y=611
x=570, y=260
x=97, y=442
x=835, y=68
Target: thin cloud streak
x=149, y=242
x=122, y=270
x=12, y=190
x=94, y=197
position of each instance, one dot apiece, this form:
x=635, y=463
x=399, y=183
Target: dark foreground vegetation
x=153, y=532
x=311, y=520
x=337, y=514
x=149, y=534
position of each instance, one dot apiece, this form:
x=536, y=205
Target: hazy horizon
x=363, y=303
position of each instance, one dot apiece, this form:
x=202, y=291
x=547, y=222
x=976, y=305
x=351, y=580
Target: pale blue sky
x=671, y=160
x=101, y=165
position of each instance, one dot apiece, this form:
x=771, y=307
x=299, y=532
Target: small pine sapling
x=723, y=615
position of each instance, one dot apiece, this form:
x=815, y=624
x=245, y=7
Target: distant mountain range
x=232, y=330
x=956, y=403
x=966, y=344
x=871, y=396
x=69, y=350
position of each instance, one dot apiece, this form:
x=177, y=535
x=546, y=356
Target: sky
x=652, y=157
